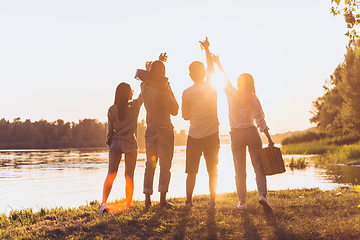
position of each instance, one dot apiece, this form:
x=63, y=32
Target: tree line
x=88, y=133
x=337, y=112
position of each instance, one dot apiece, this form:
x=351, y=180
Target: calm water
x=70, y=178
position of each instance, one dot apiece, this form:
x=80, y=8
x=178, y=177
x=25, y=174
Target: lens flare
x=129, y=190
x=153, y=160
x=117, y=206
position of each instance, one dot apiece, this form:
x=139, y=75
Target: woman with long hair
x=244, y=112
x=121, y=138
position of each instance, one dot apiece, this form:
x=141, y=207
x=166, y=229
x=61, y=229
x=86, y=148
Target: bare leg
x=213, y=179
x=190, y=185
x=162, y=198
x=147, y=200
x=114, y=160
x=163, y=202
x=130, y=163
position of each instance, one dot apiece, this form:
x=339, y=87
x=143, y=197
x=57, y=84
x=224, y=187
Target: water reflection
x=343, y=174
x=69, y=178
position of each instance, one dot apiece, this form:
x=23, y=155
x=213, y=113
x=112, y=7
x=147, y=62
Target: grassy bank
x=297, y=214
x=329, y=150
x=330, y=153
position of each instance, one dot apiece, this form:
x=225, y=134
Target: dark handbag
x=271, y=160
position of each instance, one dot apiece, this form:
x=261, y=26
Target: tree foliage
x=349, y=10
x=58, y=134
x=338, y=110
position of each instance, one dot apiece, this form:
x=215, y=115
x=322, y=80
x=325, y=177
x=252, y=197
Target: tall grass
x=315, y=147
x=346, y=154
x=306, y=136
x=321, y=137
x=299, y=163
x=328, y=149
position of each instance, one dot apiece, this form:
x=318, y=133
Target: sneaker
x=241, y=205
x=166, y=205
x=211, y=207
x=265, y=203
x=188, y=205
x=103, y=208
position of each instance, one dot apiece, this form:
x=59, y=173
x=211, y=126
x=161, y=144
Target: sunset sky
x=64, y=59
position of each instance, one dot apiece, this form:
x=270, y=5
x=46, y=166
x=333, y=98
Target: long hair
x=122, y=98
x=246, y=89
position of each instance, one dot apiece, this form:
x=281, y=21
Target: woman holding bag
x=244, y=111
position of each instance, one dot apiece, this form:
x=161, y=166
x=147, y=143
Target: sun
x=218, y=80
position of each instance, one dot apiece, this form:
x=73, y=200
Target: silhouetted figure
x=121, y=138
x=160, y=103
x=199, y=105
x=244, y=111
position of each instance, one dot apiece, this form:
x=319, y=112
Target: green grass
x=299, y=163
x=315, y=147
x=297, y=214
x=328, y=154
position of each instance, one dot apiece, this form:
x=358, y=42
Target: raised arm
x=209, y=60
x=216, y=60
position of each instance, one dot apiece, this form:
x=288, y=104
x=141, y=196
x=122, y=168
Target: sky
x=64, y=59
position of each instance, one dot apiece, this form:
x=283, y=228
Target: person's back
x=153, y=96
x=160, y=103
x=200, y=107
x=124, y=129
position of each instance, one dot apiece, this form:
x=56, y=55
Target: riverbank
x=297, y=214
x=328, y=153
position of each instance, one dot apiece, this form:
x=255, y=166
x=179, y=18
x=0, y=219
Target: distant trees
x=58, y=134
x=338, y=110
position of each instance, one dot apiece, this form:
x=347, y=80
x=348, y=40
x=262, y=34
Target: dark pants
x=159, y=144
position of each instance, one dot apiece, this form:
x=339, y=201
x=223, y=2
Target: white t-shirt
x=243, y=116
x=199, y=105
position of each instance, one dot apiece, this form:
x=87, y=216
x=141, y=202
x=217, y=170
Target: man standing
x=160, y=103
x=199, y=105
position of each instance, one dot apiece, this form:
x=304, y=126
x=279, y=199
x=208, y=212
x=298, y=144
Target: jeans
x=240, y=138
x=159, y=144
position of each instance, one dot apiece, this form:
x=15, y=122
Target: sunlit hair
x=197, y=71
x=246, y=87
x=158, y=67
x=122, y=98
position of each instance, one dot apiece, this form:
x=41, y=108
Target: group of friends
x=199, y=106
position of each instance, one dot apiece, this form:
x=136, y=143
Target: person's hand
x=204, y=44
x=216, y=59
x=271, y=143
x=148, y=65
x=163, y=57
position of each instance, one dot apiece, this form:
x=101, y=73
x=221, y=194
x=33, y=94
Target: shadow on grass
x=279, y=231
x=183, y=220
x=211, y=226
x=249, y=228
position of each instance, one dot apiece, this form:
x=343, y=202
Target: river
x=72, y=177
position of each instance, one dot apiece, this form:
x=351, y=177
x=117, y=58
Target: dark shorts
x=195, y=147
x=119, y=146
